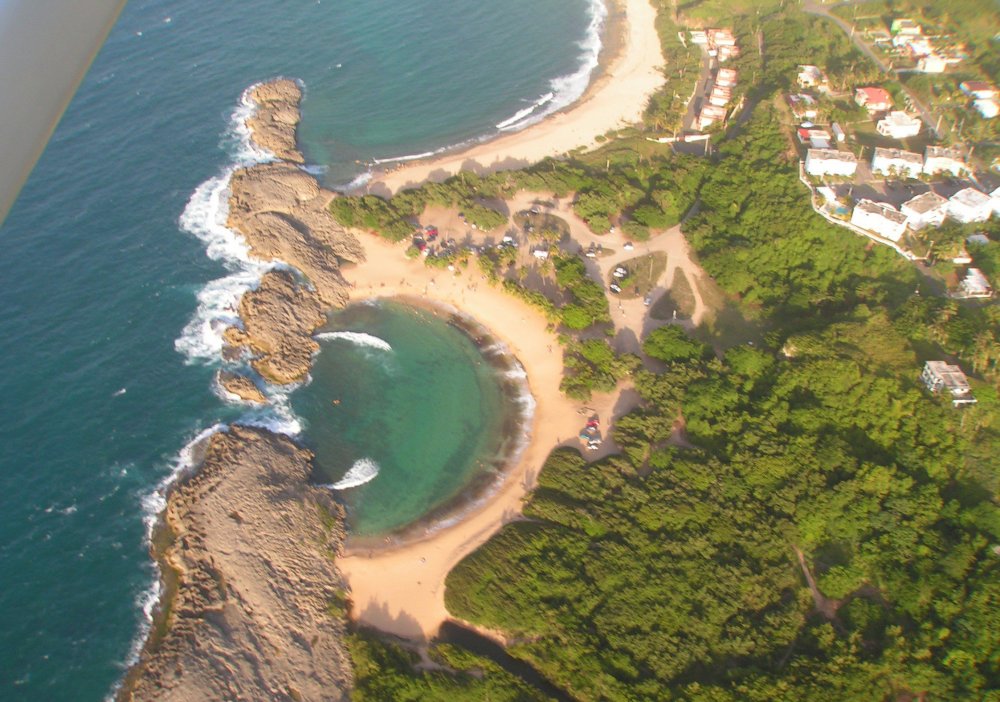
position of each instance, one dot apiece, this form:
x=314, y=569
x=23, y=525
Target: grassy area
x=541, y=225
x=710, y=10
x=644, y=273
x=679, y=299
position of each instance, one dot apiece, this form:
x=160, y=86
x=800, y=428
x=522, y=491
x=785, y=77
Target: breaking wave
x=358, y=338
x=363, y=471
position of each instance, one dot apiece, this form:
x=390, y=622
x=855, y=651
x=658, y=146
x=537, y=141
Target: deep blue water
x=97, y=280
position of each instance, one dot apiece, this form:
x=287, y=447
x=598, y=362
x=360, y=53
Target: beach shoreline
x=628, y=73
x=517, y=414
x=398, y=587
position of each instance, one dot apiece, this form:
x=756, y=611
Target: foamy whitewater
x=363, y=471
x=157, y=127
x=358, y=338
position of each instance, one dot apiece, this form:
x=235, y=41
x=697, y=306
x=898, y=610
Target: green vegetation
x=643, y=273
x=592, y=365
x=672, y=574
x=793, y=520
x=387, y=671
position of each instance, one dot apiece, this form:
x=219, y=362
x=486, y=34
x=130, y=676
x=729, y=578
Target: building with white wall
x=925, y=210
x=820, y=162
x=970, y=205
x=896, y=162
x=880, y=218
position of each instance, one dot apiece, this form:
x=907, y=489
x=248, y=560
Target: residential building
x=698, y=36
x=914, y=46
x=975, y=284
x=895, y=162
x=941, y=375
x=821, y=162
x=720, y=96
x=838, y=133
x=932, y=63
x=811, y=77
x=987, y=108
x=898, y=125
x=978, y=89
x=880, y=218
x=906, y=27
x=873, y=99
x=940, y=159
x=710, y=114
x=803, y=106
x=926, y=209
x=995, y=197
x=815, y=138
x=970, y=205
x=726, y=77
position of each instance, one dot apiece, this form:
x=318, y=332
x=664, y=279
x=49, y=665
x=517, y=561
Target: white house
x=905, y=164
x=940, y=375
x=995, y=197
x=987, y=108
x=970, y=205
x=821, y=162
x=926, y=209
x=975, y=284
x=726, y=77
x=816, y=138
x=838, y=133
x=881, y=218
x=898, y=125
x=906, y=27
x=720, y=96
x=709, y=115
x=811, y=77
x=932, y=63
x=938, y=159
x=978, y=89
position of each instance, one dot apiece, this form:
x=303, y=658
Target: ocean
x=107, y=296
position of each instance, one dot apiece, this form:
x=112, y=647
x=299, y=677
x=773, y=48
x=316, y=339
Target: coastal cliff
x=253, y=605
x=252, y=546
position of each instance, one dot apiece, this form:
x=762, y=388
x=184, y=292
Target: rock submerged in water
x=242, y=387
x=252, y=546
x=274, y=122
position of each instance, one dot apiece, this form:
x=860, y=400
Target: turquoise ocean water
x=107, y=297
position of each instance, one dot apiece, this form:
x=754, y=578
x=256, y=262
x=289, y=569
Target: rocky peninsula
x=251, y=546
x=253, y=606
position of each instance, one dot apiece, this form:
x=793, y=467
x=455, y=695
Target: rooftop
x=898, y=155
x=970, y=197
x=832, y=155
x=942, y=152
x=925, y=202
x=882, y=209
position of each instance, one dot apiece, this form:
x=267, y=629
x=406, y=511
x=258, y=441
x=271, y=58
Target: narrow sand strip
x=617, y=98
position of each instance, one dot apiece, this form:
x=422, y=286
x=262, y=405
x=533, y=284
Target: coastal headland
x=629, y=72
x=252, y=593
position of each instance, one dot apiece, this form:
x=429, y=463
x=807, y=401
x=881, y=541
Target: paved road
x=815, y=8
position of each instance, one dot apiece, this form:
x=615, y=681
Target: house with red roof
x=873, y=99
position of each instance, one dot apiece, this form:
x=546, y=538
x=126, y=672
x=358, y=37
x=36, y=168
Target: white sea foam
x=359, y=181
x=566, y=89
x=511, y=122
x=410, y=157
x=358, y=338
x=153, y=505
x=364, y=470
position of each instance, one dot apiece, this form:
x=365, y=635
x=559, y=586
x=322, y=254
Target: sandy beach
x=400, y=589
x=630, y=71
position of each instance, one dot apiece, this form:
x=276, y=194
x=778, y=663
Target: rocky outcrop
x=279, y=318
x=256, y=610
x=283, y=214
x=274, y=122
x=242, y=387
